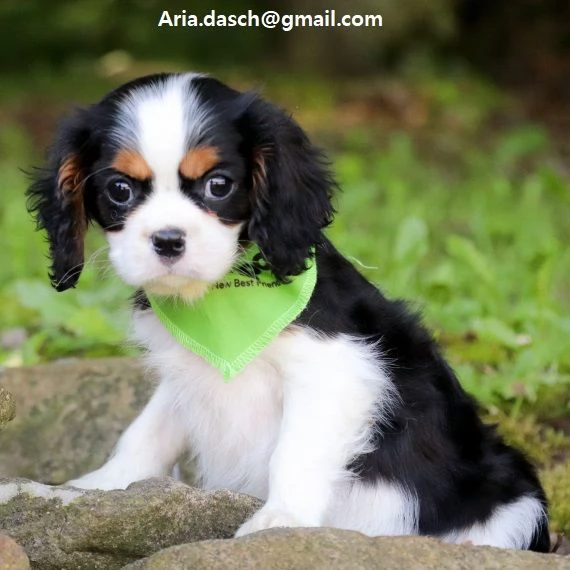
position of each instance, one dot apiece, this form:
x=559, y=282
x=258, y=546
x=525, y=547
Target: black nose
x=169, y=242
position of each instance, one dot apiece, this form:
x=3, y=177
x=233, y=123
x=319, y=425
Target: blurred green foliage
x=67, y=32
x=64, y=33
x=518, y=39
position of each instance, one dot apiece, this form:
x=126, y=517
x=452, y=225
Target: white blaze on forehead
x=160, y=120
x=162, y=132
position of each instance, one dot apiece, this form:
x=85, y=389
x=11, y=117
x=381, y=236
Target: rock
x=67, y=528
x=70, y=416
x=12, y=555
x=326, y=549
x=560, y=544
x=7, y=407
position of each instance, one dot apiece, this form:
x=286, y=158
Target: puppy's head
x=181, y=172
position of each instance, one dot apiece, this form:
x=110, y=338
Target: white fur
x=211, y=246
x=375, y=509
x=333, y=390
x=8, y=491
x=283, y=429
x=160, y=117
x=510, y=526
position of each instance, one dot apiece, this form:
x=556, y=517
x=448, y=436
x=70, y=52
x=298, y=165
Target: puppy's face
x=172, y=191
x=182, y=172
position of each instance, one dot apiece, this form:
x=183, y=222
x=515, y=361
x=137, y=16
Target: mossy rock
x=7, y=407
x=65, y=528
x=556, y=481
x=70, y=416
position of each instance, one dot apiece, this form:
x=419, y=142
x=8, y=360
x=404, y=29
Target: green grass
x=478, y=245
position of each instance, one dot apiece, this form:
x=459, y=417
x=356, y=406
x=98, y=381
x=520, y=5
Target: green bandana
x=239, y=315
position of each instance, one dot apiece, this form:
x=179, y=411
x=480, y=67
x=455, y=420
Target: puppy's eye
x=219, y=187
x=120, y=192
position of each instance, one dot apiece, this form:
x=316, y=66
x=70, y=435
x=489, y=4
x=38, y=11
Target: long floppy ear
x=56, y=200
x=292, y=188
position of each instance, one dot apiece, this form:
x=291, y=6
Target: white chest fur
x=231, y=427
x=283, y=430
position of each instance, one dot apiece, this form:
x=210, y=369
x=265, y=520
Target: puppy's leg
x=148, y=448
x=331, y=392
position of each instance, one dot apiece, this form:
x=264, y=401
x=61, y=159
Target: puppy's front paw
x=102, y=480
x=267, y=518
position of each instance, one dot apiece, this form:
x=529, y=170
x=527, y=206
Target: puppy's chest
x=232, y=426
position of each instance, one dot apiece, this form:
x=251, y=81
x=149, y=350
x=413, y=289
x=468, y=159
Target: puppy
x=338, y=408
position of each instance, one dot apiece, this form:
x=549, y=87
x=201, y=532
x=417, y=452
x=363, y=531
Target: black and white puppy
x=351, y=417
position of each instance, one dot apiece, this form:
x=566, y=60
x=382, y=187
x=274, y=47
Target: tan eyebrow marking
x=198, y=161
x=131, y=163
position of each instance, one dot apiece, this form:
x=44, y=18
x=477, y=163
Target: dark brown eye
x=219, y=187
x=120, y=192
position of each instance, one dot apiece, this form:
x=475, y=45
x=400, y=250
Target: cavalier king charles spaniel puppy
x=345, y=414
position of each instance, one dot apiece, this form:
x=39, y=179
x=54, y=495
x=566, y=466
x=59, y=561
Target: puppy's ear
x=56, y=199
x=292, y=188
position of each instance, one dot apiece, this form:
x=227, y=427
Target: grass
x=479, y=245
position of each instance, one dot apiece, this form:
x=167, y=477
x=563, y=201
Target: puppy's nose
x=169, y=242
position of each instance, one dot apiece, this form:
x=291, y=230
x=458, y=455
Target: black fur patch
x=434, y=443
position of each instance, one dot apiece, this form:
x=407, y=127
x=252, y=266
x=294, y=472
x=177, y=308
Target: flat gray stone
x=332, y=549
